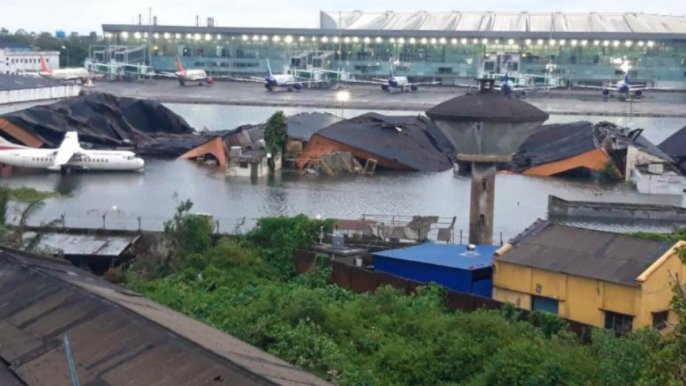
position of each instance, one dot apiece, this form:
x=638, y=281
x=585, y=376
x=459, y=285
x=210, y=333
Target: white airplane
x=271, y=81
x=70, y=157
x=63, y=73
x=508, y=87
x=623, y=88
x=398, y=82
x=189, y=76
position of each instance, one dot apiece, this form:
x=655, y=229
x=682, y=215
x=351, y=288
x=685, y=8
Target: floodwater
x=128, y=199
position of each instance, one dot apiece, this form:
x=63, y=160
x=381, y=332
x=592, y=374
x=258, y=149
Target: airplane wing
x=69, y=147
x=375, y=82
x=593, y=87
x=304, y=82
x=251, y=79
x=425, y=84
x=167, y=74
x=651, y=88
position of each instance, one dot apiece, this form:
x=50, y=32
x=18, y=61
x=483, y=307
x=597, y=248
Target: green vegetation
x=44, y=41
x=30, y=201
x=247, y=286
x=276, y=135
x=680, y=235
x=609, y=173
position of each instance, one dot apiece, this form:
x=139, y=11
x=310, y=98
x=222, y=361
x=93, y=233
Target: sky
x=84, y=16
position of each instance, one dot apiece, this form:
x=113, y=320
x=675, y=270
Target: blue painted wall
x=459, y=280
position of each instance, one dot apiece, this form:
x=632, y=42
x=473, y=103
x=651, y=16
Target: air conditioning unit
x=656, y=168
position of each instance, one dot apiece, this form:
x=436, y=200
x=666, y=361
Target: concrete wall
x=668, y=183
x=253, y=170
x=609, y=210
x=37, y=94
x=582, y=299
x=636, y=157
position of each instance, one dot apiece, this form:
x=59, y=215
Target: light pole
x=343, y=96
x=66, y=49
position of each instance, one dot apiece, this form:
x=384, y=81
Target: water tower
x=486, y=128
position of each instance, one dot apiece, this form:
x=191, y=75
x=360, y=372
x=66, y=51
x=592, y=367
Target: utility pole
x=340, y=45
x=149, y=36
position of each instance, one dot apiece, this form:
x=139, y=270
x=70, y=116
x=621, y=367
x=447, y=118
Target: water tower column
x=482, y=204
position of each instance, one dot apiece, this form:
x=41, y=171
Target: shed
x=97, y=252
x=453, y=266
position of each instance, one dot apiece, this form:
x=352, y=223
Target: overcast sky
x=88, y=15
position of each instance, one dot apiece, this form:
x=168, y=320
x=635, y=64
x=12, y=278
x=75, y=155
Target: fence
x=360, y=280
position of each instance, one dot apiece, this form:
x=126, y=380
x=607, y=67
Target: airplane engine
x=384, y=88
x=414, y=87
x=298, y=86
x=638, y=93
x=606, y=92
x=268, y=87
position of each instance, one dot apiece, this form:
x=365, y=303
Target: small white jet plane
x=395, y=82
x=70, y=157
x=623, y=88
x=271, y=81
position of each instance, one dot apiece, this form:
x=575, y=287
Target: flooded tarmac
x=150, y=197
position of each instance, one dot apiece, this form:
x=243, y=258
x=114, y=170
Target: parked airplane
x=188, y=76
x=70, y=157
x=63, y=73
x=508, y=87
x=397, y=82
x=271, y=81
x=623, y=88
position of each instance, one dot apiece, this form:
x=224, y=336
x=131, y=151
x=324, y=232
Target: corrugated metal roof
x=116, y=336
x=555, y=142
x=444, y=255
x=74, y=244
x=505, y=22
x=304, y=125
x=401, y=139
x=605, y=256
x=675, y=144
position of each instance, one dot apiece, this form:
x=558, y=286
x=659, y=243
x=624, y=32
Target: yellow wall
x=657, y=287
x=585, y=300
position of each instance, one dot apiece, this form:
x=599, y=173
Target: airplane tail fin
x=71, y=140
x=626, y=78
x=44, y=65
x=179, y=66
x=269, y=68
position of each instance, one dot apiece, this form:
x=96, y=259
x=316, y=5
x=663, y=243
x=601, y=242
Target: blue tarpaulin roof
x=445, y=255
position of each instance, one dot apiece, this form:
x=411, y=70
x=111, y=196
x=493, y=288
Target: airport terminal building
x=446, y=46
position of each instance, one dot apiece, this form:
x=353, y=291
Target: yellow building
x=598, y=278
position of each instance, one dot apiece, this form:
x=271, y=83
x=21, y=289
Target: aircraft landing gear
x=182, y=83
x=290, y=89
x=67, y=170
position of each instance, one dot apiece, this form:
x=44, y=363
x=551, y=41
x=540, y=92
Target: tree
x=276, y=135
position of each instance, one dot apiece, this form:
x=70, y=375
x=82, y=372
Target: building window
x=540, y=303
x=620, y=323
x=660, y=319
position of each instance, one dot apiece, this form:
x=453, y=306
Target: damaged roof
x=606, y=256
x=80, y=244
x=402, y=139
x=555, y=142
x=675, y=144
x=644, y=145
x=103, y=120
x=117, y=337
x=304, y=125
